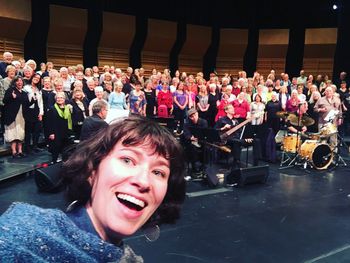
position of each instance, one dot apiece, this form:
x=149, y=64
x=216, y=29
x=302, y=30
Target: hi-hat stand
x=337, y=158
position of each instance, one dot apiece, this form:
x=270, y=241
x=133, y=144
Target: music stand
x=247, y=132
x=207, y=137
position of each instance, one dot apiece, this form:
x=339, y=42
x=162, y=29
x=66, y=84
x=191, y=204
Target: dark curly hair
x=133, y=131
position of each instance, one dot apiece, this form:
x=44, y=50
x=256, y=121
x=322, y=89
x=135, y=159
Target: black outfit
x=344, y=128
x=338, y=81
x=213, y=110
x=26, y=81
x=33, y=125
x=3, y=66
x=151, y=102
x=47, y=105
x=236, y=143
x=90, y=94
x=78, y=116
x=91, y=126
x=195, y=155
x=11, y=105
x=273, y=121
x=314, y=115
x=59, y=127
x=127, y=88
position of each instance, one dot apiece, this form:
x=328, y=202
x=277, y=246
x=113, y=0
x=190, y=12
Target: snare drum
x=314, y=136
x=319, y=154
x=291, y=143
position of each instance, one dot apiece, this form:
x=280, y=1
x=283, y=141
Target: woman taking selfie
x=128, y=176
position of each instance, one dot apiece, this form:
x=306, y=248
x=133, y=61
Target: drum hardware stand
x=336, y=152
x=283, y=160
x=296, y=161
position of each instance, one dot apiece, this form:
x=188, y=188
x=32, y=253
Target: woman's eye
x=159, y=173
x=126, y=160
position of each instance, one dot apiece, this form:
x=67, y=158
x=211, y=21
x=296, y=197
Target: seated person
x=296, y=127
x=194, y=151
x=94, y=123
x=296, y=121
x=234, y=141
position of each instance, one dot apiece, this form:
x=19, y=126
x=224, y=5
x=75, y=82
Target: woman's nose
x=142, y=179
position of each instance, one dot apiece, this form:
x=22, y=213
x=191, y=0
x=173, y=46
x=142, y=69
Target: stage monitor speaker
x=48, y=179
x=212, y=179
x=249, y=175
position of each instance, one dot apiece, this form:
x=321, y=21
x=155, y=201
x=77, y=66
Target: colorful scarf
x=65, y=114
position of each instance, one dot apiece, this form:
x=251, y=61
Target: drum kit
x=307, y=149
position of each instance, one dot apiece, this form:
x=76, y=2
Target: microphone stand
x=299, y=137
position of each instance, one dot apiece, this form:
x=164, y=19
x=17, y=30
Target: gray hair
x=98, y=106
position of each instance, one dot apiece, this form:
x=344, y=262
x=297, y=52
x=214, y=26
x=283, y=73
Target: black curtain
x=176, y=49
x=35, y=41
x=295, y=52
x=251, y=53
x=135, y=51
x=93, y=34
x=209, y=59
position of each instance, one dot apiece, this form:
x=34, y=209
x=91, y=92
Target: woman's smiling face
x=127, y=188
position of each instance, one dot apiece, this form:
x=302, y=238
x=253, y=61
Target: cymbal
x=282, y=114
x=303, y=121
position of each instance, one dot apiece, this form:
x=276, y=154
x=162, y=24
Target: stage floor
x=297, y=216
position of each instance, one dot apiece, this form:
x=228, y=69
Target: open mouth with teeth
x=131, y=202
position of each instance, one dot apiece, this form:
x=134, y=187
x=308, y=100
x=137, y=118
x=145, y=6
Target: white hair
x=274, y=93
x=98, y=88
x=6, y=53
x=31, y=62
x=224, y=79
x=16, y=63
x=118, y=84
x=212, y=85
x=63, y=69
x=311, y=100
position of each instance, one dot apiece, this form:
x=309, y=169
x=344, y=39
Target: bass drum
x=319, y=154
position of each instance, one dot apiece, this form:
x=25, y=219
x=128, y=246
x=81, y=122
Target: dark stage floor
x=297, y=216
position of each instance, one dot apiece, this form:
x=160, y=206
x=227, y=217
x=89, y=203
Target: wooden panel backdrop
x=198, y=39
x=160, y=39
x=233, y=43
x=67, y=31
x=117, y=36
x=272, y=51
x=15, y=19
x=320, y=44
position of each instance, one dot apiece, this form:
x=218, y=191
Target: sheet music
x=331, y=115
